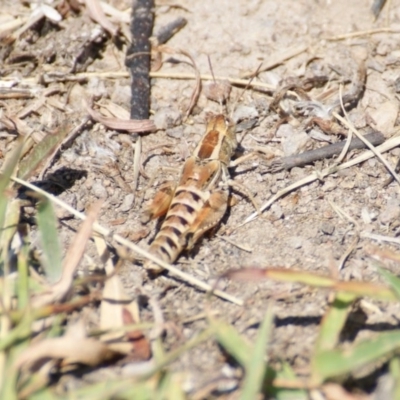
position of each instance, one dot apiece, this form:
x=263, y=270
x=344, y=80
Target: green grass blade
x=47, y=223
x=231, y=341
x=23, y=277
x=9, y=167
x=278, y=393
x=9, y=229
x=393, y=281
x=121, y=389
x=42, y=151
x=394, y=368
x=256, y=367
x=333, y=322
x=21, y=332
x=336, y=363
x=7, y=171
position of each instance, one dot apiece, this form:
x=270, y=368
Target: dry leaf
x=97, y=14
x=117, y=310
x=130, y=125
x=69, y=349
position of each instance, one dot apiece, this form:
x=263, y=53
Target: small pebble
x=166, y=118
x=285, y=130
x=327, y=228
x=218, y=91
x=295, y=144
x=96, y=88
x=390, y=213
x=70, y=199
x=176, y=132
x=385, y=116
x=276, y=212
x=296, y=242
x=121, y=94
x=244, y=112
x=127, y=203
x=99, y=190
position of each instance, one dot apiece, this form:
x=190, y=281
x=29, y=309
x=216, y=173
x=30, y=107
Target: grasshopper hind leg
x=213, y=211
x=161, y=202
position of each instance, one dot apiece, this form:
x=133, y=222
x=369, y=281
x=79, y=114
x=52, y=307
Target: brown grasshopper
x=200, y=199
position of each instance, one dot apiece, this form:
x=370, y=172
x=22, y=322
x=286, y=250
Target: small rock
x=261, y=104
x=99, y=190
x=121, y=94
x=285, y=130
x=366, y=216
x=390, y=213
x=347, y=184
x=244, y=112
x=75, y=97
x=96, y=88
x=127, y=203
x=375, y=65
x=295, y=144
x=218, y=91
x=318, y=135
x=176, y=132
x=385, y=116
x=70, y=199
x=383, y=48
x=359, y=53
x=329, y=186
x=166, y=118
x=295, y=242
x=327, y=228
x=276, y=212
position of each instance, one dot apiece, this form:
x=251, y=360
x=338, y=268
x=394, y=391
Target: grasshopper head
x=219, y=142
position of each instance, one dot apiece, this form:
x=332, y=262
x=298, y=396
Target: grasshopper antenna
x=214, y=80
x=244, y=90
x=211, y=68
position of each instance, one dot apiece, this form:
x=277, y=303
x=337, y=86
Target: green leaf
x=47, y=223
x=394, y=368
x=286, y=373
x=333, y=322
x=393, y=281
x=10, y=226
x=23, y=277
x=256, y=367
x=7, y=171
x=42, y=151
x=121, y=389
x=336, y=363
x=231, y=341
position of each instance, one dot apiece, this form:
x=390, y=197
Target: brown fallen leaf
x=130, y=125
x=97, y=14
x=117, y=309
x=72, y=348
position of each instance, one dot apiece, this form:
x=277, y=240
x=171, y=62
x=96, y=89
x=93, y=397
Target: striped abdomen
x=171, y=239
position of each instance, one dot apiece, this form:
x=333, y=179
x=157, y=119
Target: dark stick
x=138, y=57
x=166, y=32
x=308, y=157
x=377, y=6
